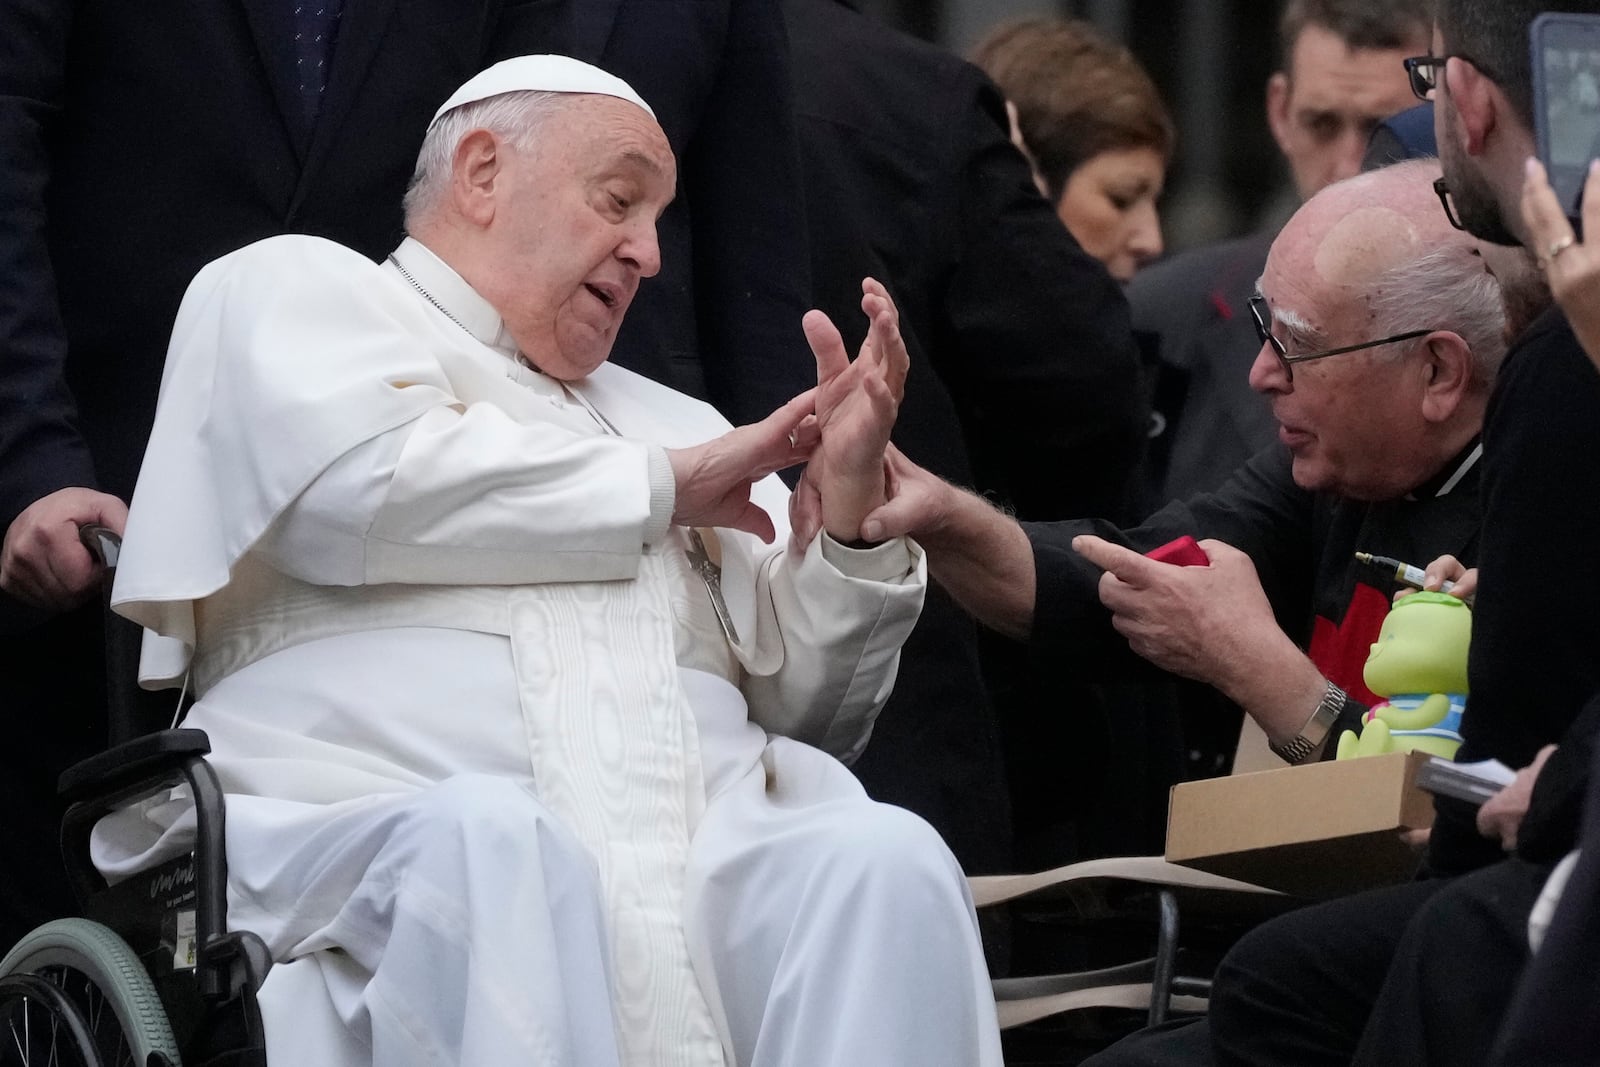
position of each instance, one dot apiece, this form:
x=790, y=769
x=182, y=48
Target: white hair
x=517, y=117
x=1448, y=287
x=1300, y=330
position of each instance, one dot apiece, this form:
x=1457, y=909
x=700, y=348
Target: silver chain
x=429, y=297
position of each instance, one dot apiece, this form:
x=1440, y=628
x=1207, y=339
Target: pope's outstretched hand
x=713, y=480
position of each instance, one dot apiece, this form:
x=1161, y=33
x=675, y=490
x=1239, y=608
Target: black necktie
x=316, y=25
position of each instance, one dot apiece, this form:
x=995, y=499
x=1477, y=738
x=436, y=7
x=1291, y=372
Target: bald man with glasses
x=1381, y=332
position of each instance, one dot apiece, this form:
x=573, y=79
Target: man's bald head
x=1367, y=241
x=1356, y=229
x=1376, y=255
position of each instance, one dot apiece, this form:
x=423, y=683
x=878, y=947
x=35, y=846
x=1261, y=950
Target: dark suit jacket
x=1024, y=375
x=144, y=140
x=1016, y=331
x=1194, y=323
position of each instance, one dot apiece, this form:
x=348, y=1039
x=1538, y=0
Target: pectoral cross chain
x=711, y=574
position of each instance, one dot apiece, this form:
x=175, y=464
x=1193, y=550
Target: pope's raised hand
x=857, y=402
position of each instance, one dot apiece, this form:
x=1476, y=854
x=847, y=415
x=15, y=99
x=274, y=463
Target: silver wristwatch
x=1315, y=731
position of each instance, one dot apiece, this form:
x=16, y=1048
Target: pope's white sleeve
x=842, y=615
x=470, y=496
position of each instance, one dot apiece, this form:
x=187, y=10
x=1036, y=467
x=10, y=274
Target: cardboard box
x=1317, y=830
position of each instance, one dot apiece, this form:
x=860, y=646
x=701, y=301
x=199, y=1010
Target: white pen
x=1402, y=572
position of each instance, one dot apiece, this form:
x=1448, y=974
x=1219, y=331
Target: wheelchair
x=149, y=976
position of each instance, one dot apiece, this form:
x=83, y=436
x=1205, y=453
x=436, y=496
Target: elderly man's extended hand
x=43, y=562
x=917, y=505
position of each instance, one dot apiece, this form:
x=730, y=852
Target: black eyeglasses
x=1263, y=320
x=1424, y=73
x=1442, y=191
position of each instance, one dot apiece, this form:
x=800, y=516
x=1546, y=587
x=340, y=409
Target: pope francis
x=528, y=708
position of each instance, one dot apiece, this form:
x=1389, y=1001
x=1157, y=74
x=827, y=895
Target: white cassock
x=501, y=787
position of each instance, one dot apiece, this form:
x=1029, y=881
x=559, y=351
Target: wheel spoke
x=97, y=1001
x=59, y=1044
x=16, y=1039
x=43, y=1027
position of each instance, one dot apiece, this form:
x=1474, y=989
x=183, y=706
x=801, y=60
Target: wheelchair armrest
x=125, y=766
x=132, y=771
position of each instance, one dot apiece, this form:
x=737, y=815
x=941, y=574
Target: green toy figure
x=1420, y=665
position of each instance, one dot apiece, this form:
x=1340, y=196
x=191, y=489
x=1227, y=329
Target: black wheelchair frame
x=150, y=976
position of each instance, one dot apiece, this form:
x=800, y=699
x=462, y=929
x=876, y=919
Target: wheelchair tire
x=102, y=980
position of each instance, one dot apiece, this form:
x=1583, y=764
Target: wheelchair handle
x=103, y=543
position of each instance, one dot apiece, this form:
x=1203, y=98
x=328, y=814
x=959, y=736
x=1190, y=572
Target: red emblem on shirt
x=1340, y=652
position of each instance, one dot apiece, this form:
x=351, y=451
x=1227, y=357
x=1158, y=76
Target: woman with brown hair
x=1093, y=126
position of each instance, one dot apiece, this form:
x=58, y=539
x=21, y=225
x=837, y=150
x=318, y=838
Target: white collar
x=1461, y=471
x=441, y=286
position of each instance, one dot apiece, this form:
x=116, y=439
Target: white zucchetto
x=540, y=74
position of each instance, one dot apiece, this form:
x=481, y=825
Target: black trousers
x=52, y=701
x=1420, y=973
x=1554, y=1020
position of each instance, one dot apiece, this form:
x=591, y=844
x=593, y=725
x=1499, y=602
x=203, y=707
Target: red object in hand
x=1184, y=552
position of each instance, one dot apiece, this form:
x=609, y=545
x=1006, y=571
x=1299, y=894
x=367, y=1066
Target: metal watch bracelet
x=1316, y=729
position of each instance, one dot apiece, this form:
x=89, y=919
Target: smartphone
x=1183, y=552
x=1565, y=53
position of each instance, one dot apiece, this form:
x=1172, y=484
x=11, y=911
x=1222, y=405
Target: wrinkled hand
x=43, y=563
x=713, y=480
x=857, y=402
x=919, y=501
x=1200, y=622
x=1574, y=271
x=918, y=505
x=1501, y=815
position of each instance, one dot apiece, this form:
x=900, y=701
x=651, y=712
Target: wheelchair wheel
x=73, y=993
